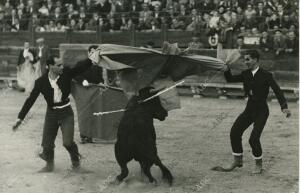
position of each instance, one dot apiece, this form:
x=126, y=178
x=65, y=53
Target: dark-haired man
x=55, y=86
x=256, y=83
x=93, y=75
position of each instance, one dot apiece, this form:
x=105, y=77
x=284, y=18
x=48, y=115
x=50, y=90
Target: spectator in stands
x=221, y=10
x=269, y=11
x=206, y=6
x=158, y=14
x=133, y=8
x=81, y=24
x=265, y=42
x=30, y=8
x=228, y=15
x=183, y=15
x=16, y=26
x=7, y=8
x=116, y=6
x=292, y=43
x=43, y=10
x=142, y=25
x=274, y=21
x=214, y=20
x=127, y=26
x=42, y=52
x=146, y=14
x=82, y=14
x=280, y=12
x=225, y=32
x=23, y=20
x=294, y=28
x=193, y=4
x=103, y=7
x=195, y=44
x=59, y=27
x=50, y=7
x=72, y=25
x=71, y=13
x=94, y=21
x=279, y=43
x=261, y=13
x=239, y=43
x=11, y=19
x=177, y=24
x=112, y=25
x=239, y=15
x=250, y=12
x=249, y=22
x=154, y=25
x=255, y=32
x=196, y=23
x=286, y=22
x=243, y=32
x=58, y=16
x=51, y=26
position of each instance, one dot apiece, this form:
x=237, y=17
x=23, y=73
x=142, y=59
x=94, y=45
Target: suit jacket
x=42, y=85
x=257, y=87
x=43, y=59
x=21, y=58
x=279, y=44
x=92, y=75
x=293, y=44
x=268, y=43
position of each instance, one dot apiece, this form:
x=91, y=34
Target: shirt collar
x=51, y=80
x=254, y=71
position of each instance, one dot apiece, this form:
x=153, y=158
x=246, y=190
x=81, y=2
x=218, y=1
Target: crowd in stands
x=260, y=18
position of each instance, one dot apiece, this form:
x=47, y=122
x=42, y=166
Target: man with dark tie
x=257, y=82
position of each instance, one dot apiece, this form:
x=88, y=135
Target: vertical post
x=31, y=32
x=132, y=36
x=99, y=34
x=164, y=32
x=68, y=36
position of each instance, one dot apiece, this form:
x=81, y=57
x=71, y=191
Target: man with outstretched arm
x=55, y=86
x=257, y=82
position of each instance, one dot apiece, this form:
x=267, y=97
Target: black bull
x=136, y=138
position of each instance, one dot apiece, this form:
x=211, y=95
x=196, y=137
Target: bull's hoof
x=116, y=181
x=168, y=180
x=153, y=182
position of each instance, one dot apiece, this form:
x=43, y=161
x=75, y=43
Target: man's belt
x=62, y=106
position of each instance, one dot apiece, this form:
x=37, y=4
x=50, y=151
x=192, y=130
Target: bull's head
x=153, y=105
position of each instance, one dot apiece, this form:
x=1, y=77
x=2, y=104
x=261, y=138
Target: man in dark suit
x=42, y=52
x=23, y=53
x=93, y=75
x=256, y=83
x=56, y=86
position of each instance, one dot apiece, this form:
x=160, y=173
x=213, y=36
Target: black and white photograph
x=149, y=96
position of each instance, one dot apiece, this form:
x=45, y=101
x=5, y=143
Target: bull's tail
x=166, y=174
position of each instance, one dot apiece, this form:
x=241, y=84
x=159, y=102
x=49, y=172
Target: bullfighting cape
x=141, y=67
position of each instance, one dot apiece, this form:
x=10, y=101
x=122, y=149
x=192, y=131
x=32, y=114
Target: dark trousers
x=256, y=113
x=55, y=118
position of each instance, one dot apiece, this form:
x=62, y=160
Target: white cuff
x=260, y=157
x=237, y=154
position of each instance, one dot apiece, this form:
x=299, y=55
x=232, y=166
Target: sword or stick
x=147, y=99
x=106, y=86
x=163, y=91
x=108, y=112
